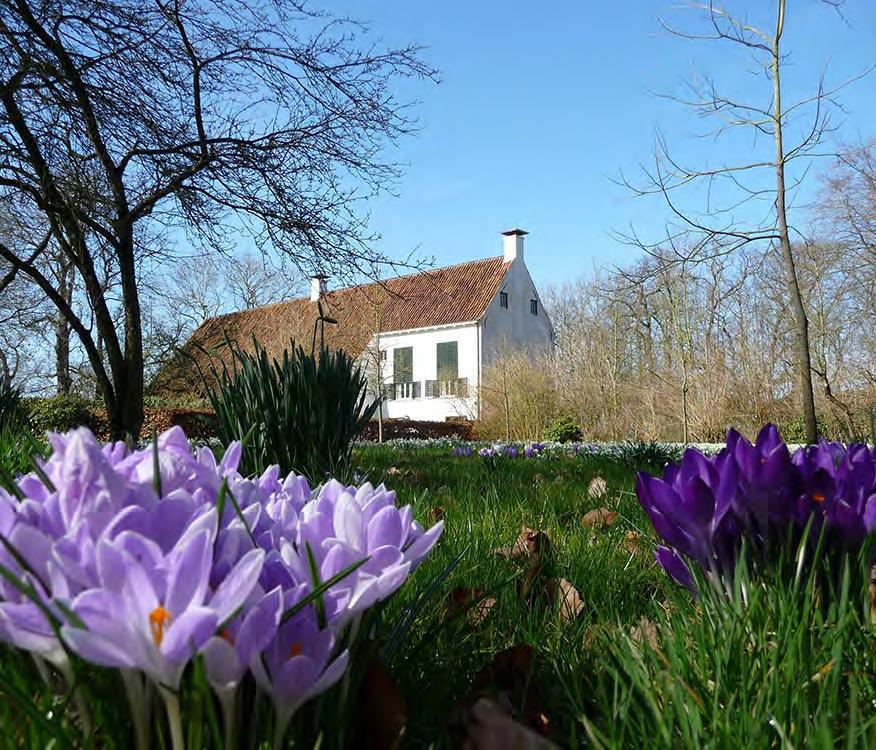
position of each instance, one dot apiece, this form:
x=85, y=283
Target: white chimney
x=512, y=243
x=317, y=287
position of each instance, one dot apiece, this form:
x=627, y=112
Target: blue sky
x=541, y=105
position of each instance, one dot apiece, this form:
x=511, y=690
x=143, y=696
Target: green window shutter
x=403, y=365
x=448, y=361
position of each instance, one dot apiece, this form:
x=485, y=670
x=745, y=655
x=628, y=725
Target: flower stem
x=280, y=729
x=137, y=697
x=66, y=670
x=171, y=703
x=228, y=702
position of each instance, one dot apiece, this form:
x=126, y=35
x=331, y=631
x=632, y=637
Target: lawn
x=450, y=655
x=543, y=597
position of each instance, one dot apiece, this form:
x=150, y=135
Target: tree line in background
x=275, y=119
x=680, y=350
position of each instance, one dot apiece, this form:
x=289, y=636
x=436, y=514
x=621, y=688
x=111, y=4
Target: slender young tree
x=746, y=203
x=124, y=121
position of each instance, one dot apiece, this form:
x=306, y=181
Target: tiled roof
x=441, y=296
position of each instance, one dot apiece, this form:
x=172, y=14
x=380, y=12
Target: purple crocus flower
x=705, y=507
x=487, y=453
x=513, y=451
x=142, y=572
x=156, y=615
x=297, y=665
x=529, y=451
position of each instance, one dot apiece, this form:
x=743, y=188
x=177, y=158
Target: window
x=383, y=355
x=533, y=306
x=503, y=299
x=447, y=357
x=403, y=365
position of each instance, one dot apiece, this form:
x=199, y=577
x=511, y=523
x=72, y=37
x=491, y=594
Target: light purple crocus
x=297, y=665
x=154, y=616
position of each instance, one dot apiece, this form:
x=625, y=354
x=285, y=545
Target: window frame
x=503, y=300
x=533, y=306
x=397, y=371
x=448, y=346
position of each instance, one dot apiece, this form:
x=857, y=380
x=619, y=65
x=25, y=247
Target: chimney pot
x=317, y=287
x=512, y=244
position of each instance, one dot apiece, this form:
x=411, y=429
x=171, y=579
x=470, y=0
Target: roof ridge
x=410, y=275
x=339, y=290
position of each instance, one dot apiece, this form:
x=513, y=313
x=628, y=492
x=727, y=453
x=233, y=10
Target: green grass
x=793, y=666
x=720, y=676
x=484, y=509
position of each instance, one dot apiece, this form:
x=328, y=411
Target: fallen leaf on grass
x=873, y=595
x=567, y=597
x=436, y=513
x=528, y=542
x=491, y=728
x=394, y=471
x=380, y=709
x=597, y=487
x=600, y=517
x=474, y=600
x=632, y=541
x=646, y=630
x=509, y=681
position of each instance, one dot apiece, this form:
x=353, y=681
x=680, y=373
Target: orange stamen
x=226, y=634
x=818, y=497
x=158, y=618
x=295, y=650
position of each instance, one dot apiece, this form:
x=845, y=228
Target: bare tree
x=744, y=204
x=123, y=121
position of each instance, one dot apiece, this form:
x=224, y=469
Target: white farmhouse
x=461, y=317
x=424, y=339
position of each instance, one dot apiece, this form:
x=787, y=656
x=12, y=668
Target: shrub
x=643, y=454
x=563, y=430
x=58, y=413
x=302, y=412
x=794, y=430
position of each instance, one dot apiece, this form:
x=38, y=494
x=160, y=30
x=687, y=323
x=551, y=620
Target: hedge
x=62, y=413
x=408, y=428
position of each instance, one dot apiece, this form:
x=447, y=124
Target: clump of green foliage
x=17, y=442
x=301, y=411
x=648, y=454
x=794, y=431
x=58, y=413
x=564, y=429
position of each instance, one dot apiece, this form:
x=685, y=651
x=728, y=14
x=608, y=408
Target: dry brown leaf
x=646, y=630
x=528, y=542
x=600, y=517
x=873, y=594
x=632, y=541
x=567, y=597
x=597, y=487
x=481, y=611
x=491, y=728
x=394, y=471
x=473, y=599
x=380, y=708
x=437, y=513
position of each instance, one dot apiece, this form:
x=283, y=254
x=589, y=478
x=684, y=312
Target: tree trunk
x=62, y=328
x=800, y=319
x=62, y=356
